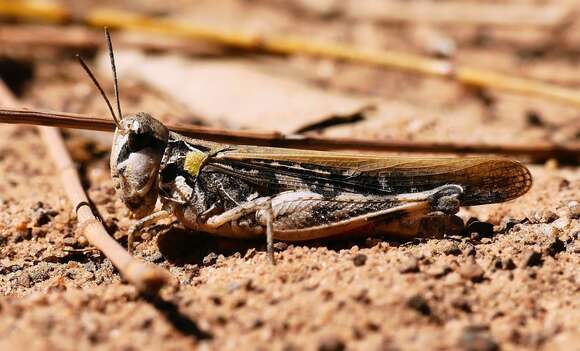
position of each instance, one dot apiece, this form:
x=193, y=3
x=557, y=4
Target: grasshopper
x=293, y=195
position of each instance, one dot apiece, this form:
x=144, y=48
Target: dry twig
x=536, y=152
x=80, y=37
x=146, y=277
x=290, y=46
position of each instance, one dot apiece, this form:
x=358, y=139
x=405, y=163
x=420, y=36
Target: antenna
x=92, y=76
x=114, y=69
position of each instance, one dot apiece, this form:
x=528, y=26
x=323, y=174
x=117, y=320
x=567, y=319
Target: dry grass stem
x=146, y=277
x=536, y=152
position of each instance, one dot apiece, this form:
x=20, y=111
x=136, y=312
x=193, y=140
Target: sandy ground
x=517, y=288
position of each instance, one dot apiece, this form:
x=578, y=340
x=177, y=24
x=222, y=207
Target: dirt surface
x=514, y=288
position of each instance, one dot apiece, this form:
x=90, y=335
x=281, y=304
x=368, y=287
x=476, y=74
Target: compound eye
x=138, y=141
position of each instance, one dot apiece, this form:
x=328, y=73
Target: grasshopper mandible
x=292, y=195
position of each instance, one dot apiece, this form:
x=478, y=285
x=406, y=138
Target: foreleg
x=260, y=204
x=139, y=225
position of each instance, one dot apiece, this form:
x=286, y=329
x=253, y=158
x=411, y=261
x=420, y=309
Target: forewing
x=484, y=179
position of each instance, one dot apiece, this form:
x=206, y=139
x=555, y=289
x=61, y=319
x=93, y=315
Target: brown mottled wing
x=484, y=179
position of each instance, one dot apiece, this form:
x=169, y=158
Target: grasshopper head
x=138, y=147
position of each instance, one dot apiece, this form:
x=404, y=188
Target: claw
x=446, y=199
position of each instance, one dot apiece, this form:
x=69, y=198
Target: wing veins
x=303, y=176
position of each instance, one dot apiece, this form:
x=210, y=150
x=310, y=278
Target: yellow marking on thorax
x=193, y=162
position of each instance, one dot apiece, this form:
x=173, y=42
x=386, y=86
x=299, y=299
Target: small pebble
x=574, y=208
x=43, y=217
x=24, y=280
x=280, y=246
x=40, y=272
x=359, y=260
x=23, y=235
x=37, y=232
x=564, y=184
x=155, y=257
x=363, y=297
x=555, y=247
x=462, y=304
x=574, y=247
x=69, y=241
x=532, y=258
x=497, y=263
x=477, y=339
x=470, y=250
x=439, y=271
x=451, y=249
x=250, y=253
x=419, y=304
x=371, y=242
x=410, y=264
x=534, y=119
x=545, y=216
x=508, y=264
x=548, y=230
x=331, y=343
x=257, y=323
x=233, y=286
x=21, y=225
x=216, y=300
x=484, y=229
x=210, y=259
x=250, y=286
x=561, y=223
x=472, y=271
x=510, y=223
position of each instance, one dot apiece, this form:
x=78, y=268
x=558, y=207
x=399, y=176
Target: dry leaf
x=237, y=94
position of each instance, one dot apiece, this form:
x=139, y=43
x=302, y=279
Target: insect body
x=293, y=195
x=248, y=191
